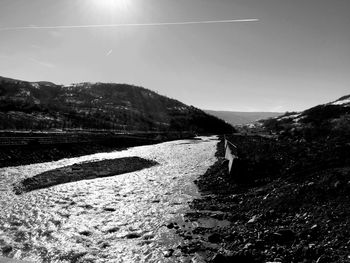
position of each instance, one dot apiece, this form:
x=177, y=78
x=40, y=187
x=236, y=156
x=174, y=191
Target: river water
x=121, y=218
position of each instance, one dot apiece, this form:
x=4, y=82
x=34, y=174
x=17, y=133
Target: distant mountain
x=332, y=118
x=45, y=105
x=237, y=117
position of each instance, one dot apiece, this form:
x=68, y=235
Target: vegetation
x=42, y=106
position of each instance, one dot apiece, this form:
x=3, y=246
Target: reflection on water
x=114, y=219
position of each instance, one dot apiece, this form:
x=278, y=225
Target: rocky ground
x=83, y=171
x=297, y=210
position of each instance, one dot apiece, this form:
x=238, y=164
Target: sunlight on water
x=115, y=219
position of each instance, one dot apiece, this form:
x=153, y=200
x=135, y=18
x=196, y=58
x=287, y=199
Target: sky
x=288, y=56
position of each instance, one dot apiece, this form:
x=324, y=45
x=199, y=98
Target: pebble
x=109, y=209
x=133, y=235
x=252, y=220
x=113, y=230
x=168, y=253
x=6, y=249
x=170, y=226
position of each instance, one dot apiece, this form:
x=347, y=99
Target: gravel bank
x=83, y=171
x=298, y=217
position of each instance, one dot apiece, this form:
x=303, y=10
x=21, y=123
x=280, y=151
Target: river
x=121, y=218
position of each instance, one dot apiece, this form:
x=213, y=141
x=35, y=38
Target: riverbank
x=299, y=214
x=45, y=147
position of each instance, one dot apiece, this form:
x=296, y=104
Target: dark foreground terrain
x=287, y=201
x=21, y=149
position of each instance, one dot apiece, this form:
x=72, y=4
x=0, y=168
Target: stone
x=323, y=259
x=168, y=253
x=214, y=238
x=170, y=225
x=284, y=235
x=85, y=233
x=133, y=235
x=6, y=249
x=113, y=230
x=109, y=209
x=252, y=220
x=248, y=246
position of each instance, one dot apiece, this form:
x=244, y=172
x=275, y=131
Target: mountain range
x=240, y=117
x=45, y=105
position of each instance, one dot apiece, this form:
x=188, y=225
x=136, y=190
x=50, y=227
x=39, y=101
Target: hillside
x=239, y=117
x=45, y=105
x=287, y=198
x=330, y=119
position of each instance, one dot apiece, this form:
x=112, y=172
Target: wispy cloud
x=130, y=25
x=42, y=63
x=109, y=52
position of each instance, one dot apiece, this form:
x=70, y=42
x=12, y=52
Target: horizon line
x=130, y=24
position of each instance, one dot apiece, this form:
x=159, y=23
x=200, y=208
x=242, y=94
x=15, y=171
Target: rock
x=252, y=220
x=231, y=237
x=85, y=233
x=148, y=236
x=314, y=230
x=248, y=246
x=168, y=253
x=323, y=259
x=6, y=249
x=74, y=256
x=105, y=245
x=336, y=184
x=170, y=226
x=133, y=235
x=188, y=237
x=109, y=209
x=87, y=206
x=284, y=235
x=113, y=230
x=214, y=238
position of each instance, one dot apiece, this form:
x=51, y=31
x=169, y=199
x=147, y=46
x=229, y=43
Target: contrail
x=129, y=25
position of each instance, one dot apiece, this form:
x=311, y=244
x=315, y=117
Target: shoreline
x=35, y=152
x=304, y=218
